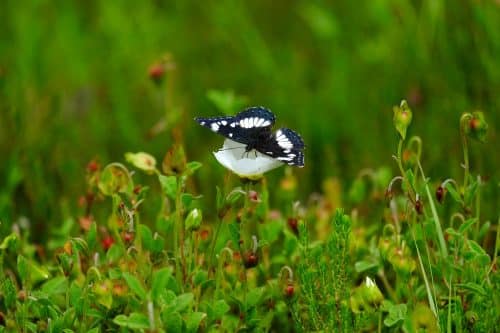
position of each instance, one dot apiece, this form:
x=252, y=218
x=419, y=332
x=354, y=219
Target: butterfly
x=253, y=128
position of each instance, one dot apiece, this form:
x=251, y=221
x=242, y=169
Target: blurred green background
x=74, y=86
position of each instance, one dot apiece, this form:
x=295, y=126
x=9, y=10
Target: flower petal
x=250, y=164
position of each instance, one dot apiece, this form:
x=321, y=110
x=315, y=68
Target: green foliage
x=154, y=242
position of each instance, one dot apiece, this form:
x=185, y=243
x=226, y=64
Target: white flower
x=245, y=164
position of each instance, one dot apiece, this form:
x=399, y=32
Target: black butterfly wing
x=286, y=146
x=246, y=127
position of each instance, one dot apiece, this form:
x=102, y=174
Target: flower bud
x=141, y=160
x=289, y=290
x=156, y=72
x=128, y=237
x=371, y=293
x=107, y=242
x=419, y=206
x=477, y=127
x=384, y=245
x=193, y=220
x=250, y=259
x=409, y=158
x=440, y=193
x=401, y=260
x=293, y=223
x=93, y=166
x=253, y=196
x=402, y=118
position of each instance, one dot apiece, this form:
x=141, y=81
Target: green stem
x=448, y=326
x=214, y=241
x=388, y=287
x=437, y=223
x=379, y=321
x=430, y=297
x=181, y=273
x=463, y=123
x=478, y=207
x=403, y=173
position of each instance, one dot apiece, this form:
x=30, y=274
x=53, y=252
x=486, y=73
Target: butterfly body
x=253, y=128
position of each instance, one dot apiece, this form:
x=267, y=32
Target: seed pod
x=289, y=290
x=419, y=206
x=293, y=223
x=250, y=259
x=440, y=193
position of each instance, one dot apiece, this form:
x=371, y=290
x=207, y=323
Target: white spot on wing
x=230, y=135
x=233, y=125
x=202, y=123
x=223, y=122
x=214, y=127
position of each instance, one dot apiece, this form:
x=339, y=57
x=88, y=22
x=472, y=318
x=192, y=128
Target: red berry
x=156, y=72
x=93, y=166
x=107, y=242
x=250, y=260
x=289, y=290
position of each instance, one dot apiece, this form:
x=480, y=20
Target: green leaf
x=193, y=321
x=485, y=227
x=134, y=321
x=476, y=248
x=92, y=236
x=471, y=191
x=172, y=320
x=9, y=293
x=75, y=298
x=57, y=285
x=168, y=186
x=114, y=253
x=397, y=314
x=160, y=280
x=473, y=287
x=22, y=267
x=235, y=195
x=219, y=198
x=183, y=301
x=187, y=200
x=219, y=309
x=29, y=270
x=453, y=192
x=135, y=285
x=254, y=297
x=9, y=242
x=362, y=266
x=191, y=167
x=80, y=245
x=200, y=277
x=146, y=236
x=234, y=232
x=466, y=225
